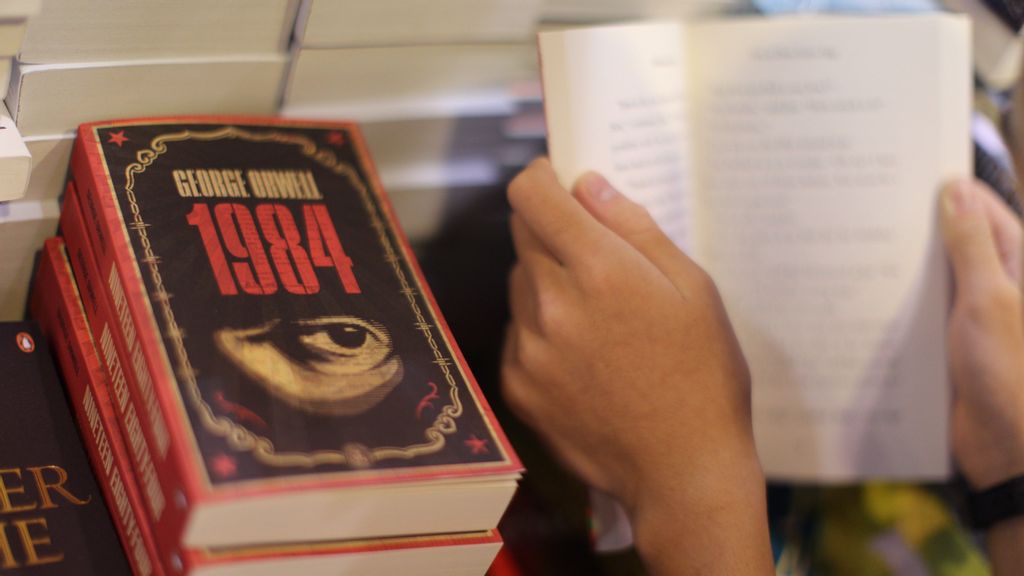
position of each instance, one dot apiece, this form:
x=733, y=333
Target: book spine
x=56, y=305
x=157, y=472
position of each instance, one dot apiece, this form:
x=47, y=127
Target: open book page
x=822, y=144
x=615, y=102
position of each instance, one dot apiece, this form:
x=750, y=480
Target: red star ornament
x=477, y=445
x=117, y=138
x=224, y=466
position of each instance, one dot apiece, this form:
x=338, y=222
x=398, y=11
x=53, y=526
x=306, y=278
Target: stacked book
x=23, y=224
x=265, y=383
x=998, y=39
x=433, y=84
x=84, y=61
x=81, y=61
x=14, y=15
x=54, y=517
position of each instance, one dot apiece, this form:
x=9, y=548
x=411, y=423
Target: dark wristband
x=998, y=503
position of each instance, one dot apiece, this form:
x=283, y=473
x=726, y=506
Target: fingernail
x=960, y=199
x=595, y=186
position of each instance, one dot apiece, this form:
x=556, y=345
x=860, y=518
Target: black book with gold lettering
x=53, y=519
x=291, y=374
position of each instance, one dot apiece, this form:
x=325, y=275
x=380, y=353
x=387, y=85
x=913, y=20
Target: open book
x=798, y=160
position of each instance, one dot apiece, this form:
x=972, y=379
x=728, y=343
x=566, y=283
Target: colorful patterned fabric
x=877, y=530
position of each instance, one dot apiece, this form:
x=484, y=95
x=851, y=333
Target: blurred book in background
x=55, y=519
x=22, y=225
x=998, y=46
x=81, y=61
x=82, y=31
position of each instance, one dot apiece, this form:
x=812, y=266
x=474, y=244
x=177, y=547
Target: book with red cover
x=56, y=303
x=467, y=554
x=308, y=384
x=53, y=519
x=102, y=321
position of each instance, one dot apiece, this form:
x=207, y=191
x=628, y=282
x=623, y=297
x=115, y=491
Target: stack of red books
x=263, y=378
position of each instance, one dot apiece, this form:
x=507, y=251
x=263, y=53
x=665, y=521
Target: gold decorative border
x=239, y=437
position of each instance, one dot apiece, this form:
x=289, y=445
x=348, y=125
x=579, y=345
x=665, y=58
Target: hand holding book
x=986, y=337
x=986, y=351
x=802, y=169
x=617, y=327
x=593, y=296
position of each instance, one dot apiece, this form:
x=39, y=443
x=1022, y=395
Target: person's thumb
x=634, y=224
x=968, y=235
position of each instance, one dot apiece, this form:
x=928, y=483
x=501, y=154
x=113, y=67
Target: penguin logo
x=25, y=342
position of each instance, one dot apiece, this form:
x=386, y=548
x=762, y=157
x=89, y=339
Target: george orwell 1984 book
x=292, y=375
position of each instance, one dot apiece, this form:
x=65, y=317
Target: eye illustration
x=335, y=365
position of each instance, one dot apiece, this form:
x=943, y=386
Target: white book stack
x=998, y=46
x=77, y=61
x=431, y=82
x=51, y=155
x=23, y=224
x=329, y=23
x=14, y=15
x=53, y=99
x=15, y=162
x=84, y=61
x=14, y=158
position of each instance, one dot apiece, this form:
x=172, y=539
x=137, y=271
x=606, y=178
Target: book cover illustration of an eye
x=338, y=365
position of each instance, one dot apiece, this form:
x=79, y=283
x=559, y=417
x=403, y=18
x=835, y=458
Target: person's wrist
x=728, y=460
x=727, y=478
x=997, y=470
x=999, y=460
x=720, y=504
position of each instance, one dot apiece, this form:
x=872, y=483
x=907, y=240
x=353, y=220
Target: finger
x=549, y=211
x=1006, y=229
x=512, y=375
x=634, y=224
x=515, y=379
x=522, y=297
x=969, y=239
x=528, y=246
x=509, y=350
